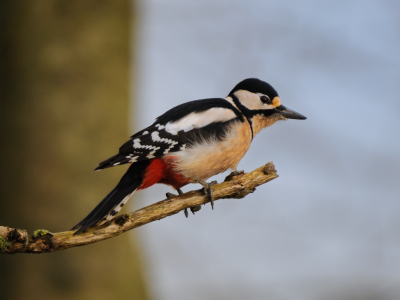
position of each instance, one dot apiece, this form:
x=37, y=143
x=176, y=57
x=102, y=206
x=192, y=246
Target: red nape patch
x=160, y=170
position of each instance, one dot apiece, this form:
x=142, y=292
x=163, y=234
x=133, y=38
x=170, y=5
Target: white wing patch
x=155, y=136
x=201, y=119
x=137, y=145
x=132, y=158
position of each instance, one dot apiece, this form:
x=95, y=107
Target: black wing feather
x=168, y=142
x=196, y=106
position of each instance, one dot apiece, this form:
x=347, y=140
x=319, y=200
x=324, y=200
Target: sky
x=329, y=226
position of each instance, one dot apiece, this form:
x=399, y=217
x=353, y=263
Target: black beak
x=289, y=114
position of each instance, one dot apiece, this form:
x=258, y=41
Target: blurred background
x=79, y=77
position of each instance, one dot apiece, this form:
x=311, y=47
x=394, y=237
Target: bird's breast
x=209, y=157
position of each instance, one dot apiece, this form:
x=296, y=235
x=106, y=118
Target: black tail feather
x=127, y=185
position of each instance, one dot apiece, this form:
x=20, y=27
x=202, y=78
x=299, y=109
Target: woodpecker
x=191, y=143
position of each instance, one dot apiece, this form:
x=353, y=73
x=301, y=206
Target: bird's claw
x=169, y=195
x=233, y=174
x=193, y=209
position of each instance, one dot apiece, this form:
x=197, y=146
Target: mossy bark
x=64, y=107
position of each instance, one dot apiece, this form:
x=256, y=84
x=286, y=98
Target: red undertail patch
x=161, y=170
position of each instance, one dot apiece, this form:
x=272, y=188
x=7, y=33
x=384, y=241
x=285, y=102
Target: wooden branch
x=14, y=240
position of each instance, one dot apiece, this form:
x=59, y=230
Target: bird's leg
x=207, y=190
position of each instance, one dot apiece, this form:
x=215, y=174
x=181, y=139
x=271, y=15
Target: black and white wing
x=177, y=129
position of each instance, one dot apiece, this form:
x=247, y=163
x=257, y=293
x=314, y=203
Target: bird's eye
x=265, y=99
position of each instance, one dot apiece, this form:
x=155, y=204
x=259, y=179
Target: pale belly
x=207, y=159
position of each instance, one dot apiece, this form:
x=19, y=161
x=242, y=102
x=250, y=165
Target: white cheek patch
x=201, y=119
x=252, y=101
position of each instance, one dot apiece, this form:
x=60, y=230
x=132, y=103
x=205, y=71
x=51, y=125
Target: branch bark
x=13, y=240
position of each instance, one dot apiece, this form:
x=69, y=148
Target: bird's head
x=260, y=103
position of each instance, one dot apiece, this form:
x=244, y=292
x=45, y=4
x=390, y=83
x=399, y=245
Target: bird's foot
x=193, y=209
x=208, y=191
x=233, y=174
x=170, y=196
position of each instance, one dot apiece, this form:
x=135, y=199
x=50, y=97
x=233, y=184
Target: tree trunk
x=64, y=108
